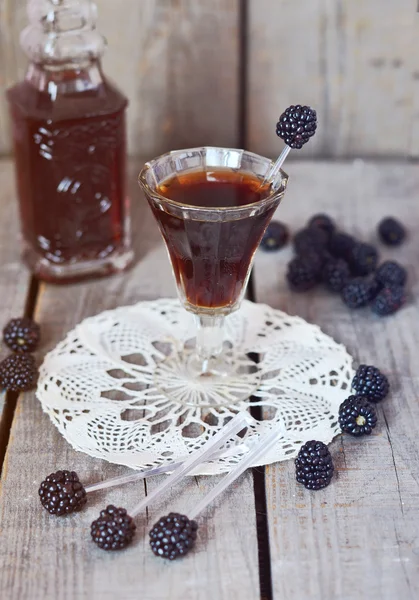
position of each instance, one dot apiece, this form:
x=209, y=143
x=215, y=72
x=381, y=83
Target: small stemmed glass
x=211, y=249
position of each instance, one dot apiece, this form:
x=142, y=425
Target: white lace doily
x=97, y=384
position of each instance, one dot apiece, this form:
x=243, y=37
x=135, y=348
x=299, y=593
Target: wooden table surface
x=267, y=537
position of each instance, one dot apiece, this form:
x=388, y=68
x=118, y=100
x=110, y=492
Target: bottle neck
x=61, y=31
x=65, y=78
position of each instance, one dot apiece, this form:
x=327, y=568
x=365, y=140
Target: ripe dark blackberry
x=22, y=335
x=297, y=125
x=389, y=300
x=322, y=221
x=275, y=237
x=113, y=529
x=370, y=383
x=18, y=373
x=391, y=231
x=310, y=239
x=341, y=244
x=61, y=493
x=358, y=292
x=314, y=466
x=173, y=536
x=335, y=274
x=391, y=273
x=363, y=259
x=357, y=416
x=302, y=275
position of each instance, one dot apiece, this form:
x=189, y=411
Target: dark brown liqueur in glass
x=211, y=259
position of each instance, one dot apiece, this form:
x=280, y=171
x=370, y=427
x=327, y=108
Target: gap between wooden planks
x=52, y=559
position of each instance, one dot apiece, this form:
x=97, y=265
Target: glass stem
x=209, y=339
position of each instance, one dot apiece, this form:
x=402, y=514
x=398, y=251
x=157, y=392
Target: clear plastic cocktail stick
x=168, y=468
x=259, y=449
x=272, y=173
x=115, y=529
x=236, y=424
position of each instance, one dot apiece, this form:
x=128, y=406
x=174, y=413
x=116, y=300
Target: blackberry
x=357, y=416
x=391, y=231
x=391, y=273
x=113, y=529
x=314, y=466
x=316, y=258
x=335, y=274
x=363, y=259
x=370, y=383
x=61, y=493
x=275, y=237
x=389, y=300
x=297, y=125
x=173, y=536
x=302, y=275
x=310, y=239
x=322, y=221
x=358, y=292
x=341, y=244
x=18, y=373
x=22, y=335
x=375, y=287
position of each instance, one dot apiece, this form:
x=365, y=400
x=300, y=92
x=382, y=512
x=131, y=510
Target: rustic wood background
x=183, y=64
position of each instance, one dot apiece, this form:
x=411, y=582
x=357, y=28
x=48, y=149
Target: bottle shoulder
x=27, y=101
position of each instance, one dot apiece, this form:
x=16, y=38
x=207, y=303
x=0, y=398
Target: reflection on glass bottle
x=68, y=125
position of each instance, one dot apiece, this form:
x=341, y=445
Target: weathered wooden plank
x=13, y=276
x=337, y=57
x=42, y=558
x=12, y=61
x=359, y=538
x=177, y=61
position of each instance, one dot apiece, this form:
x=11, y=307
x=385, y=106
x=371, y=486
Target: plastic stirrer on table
x=296, y=126
x=174, y=535
x=236, y=424
x=62, y=493
x=168, y=468
x=115, y=528
x=259, y=449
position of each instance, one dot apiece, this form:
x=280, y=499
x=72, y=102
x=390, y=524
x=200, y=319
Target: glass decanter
x=68, y=127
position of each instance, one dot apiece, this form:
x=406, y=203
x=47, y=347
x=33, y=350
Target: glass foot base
x=70, y=272
x=224, y=382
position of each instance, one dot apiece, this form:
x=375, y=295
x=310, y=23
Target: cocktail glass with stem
x=212, y=207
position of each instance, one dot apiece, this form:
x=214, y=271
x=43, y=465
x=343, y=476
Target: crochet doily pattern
x=97, y=385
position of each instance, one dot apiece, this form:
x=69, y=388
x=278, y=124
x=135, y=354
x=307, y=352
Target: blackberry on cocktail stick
x=62, y=492
x=114, y=528
x=174, y=535
x=296, y=126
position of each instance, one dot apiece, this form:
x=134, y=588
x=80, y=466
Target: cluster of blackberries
x=18, y=372
x=173, y=536
x=357, y=416
x=347, y=266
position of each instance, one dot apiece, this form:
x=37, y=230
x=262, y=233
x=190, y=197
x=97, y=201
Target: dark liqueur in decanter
x=69, y=135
